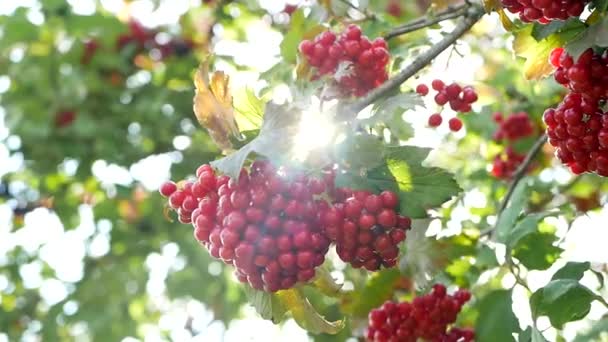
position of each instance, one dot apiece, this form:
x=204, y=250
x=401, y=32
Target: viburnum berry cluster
x=578, y=127
x=366, y=228
x=265, y=224
x=460, y=100
x=362, y=63
x=510, y=130
x=580, y=134
x=143, y=40
x=427, y=317
x=545, y=11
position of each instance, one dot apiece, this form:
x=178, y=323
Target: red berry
x=167, y=189
x=455, y=124
x=438, y=85
x=435, y=120
x=422, y=89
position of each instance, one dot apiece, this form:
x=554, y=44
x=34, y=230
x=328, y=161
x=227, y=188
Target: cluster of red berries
x=364, y=61
x=366, y=228
x=264, y=224
x=143, y=40
x=514, y=127
x=587, y=76
x=506, y=163
x=545, y=11
x=578, y=127
x=427, y=317
x=459, y=98
x=510, y=130
x=580, y=134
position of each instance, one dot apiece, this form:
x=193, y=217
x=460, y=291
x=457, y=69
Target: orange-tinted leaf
x=213, y=106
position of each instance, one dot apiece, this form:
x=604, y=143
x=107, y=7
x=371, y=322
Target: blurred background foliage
x=96, y=100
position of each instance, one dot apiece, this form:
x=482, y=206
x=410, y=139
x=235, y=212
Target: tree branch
x=420, y=23
x=517, y=177
x=473, y=15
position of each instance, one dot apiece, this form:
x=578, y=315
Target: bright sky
x=64, y=251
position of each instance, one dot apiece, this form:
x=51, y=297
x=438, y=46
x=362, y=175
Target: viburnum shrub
x=545, y=11
x=362, y=63
x=427, y=318
x=265, y=224
x=366, y=228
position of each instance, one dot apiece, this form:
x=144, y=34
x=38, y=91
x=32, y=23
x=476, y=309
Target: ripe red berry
x=167, y=189
x=455, y=124
x=438, y=85
x=435, y=120
x=422, y=89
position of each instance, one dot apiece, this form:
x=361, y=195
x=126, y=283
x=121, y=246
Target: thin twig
x=420, y=23
x=473, y=16
x=517, y=177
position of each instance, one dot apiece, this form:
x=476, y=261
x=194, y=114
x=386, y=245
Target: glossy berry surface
x=353, y=61
x=265, y=224
x=427, y=318
x=545, y=11
x=366, y=228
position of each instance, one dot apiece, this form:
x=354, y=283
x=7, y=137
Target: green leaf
x=595, y=35
x=572, y=270
x=507, y=219
x=420, y=188
x=361, y=151
x=542, y=31
x=496, y=321
x=377, y=290
x=563, y=301
x=299, y=28
x=249, y=113
x=600, y=5
x=531, y=334
x=524, y=228
x=536, y=251
x=274, y=140
x=266, y=304
x=305, y=314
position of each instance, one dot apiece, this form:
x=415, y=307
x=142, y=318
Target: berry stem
x=420, y=23
x=474, y=14
x=517, y=177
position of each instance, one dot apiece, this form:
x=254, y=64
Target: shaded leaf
x=563, y=301
x=595, y=35
x=378, y=289
x=572, y=270
x=265, y=304
x=496, y=321
x=537, y=251
x=506, y=221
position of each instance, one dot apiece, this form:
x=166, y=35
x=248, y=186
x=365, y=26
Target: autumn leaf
x=213, y=106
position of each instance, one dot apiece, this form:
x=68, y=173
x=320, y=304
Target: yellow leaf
x=305, y=314
x=213, y=106
x=536, y=53
x=505, y=20
x=491, y=5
